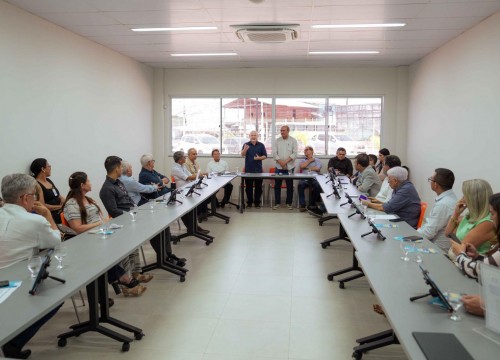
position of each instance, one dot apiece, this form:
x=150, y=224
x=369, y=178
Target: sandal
x=143, y=278
x=378, y=309
x=134, y=292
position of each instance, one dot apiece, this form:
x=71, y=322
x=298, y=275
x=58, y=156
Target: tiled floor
x=259, y=292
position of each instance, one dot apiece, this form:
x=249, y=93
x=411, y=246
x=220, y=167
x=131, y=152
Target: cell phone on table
x=454, y=238
x=413, y=238
x=396, y=220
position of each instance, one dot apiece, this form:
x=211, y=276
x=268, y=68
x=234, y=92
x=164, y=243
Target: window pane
x=196, y=124
x=306, y=119
x=354, y=123
x=242, y=115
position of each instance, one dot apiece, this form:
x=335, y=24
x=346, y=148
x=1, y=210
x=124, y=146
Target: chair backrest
x=63, y=219
x=423, y=207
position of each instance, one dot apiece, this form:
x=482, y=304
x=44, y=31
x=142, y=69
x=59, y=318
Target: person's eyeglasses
x=35, y=196
x=431, y=180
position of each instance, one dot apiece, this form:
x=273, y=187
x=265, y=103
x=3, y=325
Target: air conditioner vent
x=266, y=33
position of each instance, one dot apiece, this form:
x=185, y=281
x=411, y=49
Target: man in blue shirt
x=253, y=152
x=149, y=176
x=405, y=201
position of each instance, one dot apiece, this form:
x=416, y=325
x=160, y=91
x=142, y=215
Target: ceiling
x=430, y=24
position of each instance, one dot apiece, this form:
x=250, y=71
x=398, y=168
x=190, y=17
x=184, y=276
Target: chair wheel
x=182, y=279
x=341, y=285
x=324, y=246
x=138, y=336
x=227, y=221
x=62, y=342
x=181, y=263
x=330, y=277
x=207, y=243
x=357, y=355
x=126, y=347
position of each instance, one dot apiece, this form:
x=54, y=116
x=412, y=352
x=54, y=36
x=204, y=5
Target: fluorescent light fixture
x=358, y=26
x=188, y=28
x=206, y=54
x=343, y=52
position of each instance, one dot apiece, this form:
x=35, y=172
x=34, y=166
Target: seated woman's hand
x=459, y=208
x=472, y=303
x=457, y=248
x=471, y=251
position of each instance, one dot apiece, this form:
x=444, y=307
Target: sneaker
x=302, y=208
x=257, y=206
x=276, y=207
x=289, y=206
x=249, y=206
x=315, y=211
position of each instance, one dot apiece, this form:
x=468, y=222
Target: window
x=325, y=123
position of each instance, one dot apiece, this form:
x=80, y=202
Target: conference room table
x=89, y=256
x=394, y=281
x=263, y=176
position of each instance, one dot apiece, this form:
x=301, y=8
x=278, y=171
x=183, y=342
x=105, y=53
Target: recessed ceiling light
x=354, y=26
x=343, y=52
x=189, y=28
x=205, y=54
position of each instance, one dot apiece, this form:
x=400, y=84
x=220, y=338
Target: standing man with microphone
x=254, y=152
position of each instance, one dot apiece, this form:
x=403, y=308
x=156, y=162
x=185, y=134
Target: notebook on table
x=441, y=346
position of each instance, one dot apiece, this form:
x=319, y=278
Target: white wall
x=388, y=82
x=454, y=109
x=69, y=100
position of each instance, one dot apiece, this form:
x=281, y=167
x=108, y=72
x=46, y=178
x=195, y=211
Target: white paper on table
x=5, y=292
x=382, y=217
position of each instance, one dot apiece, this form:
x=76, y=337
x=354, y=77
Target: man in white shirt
x=285, y=153
x=181, y=177
x=220, y=166
x=22, y=234
x=433, y=228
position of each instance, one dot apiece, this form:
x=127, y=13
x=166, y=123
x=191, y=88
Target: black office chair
x=375, y=341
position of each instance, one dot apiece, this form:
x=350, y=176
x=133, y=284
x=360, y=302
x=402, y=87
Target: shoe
x=13, y=352
x=222, y=204
x=302, y=208
x=315, y=211
x=201, y=230
x=249, y=206
x=257, y=206
x=142, y=278
x=289, y=206
x=276, y=207
x=134, y=292
x=171, y=258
